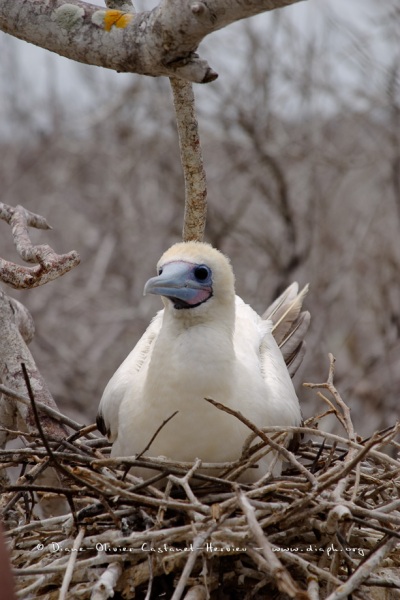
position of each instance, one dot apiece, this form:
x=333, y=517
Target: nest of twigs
x=329, y=527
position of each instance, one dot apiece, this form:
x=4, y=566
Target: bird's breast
x=194, y=364
x=180, y=374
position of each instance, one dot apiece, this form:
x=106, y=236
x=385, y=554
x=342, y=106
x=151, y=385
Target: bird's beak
x=177, y=282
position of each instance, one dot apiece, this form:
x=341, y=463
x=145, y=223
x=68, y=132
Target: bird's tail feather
x=290, y=325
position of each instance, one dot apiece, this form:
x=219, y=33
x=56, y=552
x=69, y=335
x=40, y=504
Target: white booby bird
x=206, y=342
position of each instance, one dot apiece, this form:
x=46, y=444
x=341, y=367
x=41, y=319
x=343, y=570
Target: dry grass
x=329, y=527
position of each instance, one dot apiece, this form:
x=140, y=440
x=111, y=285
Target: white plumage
x=205, y=343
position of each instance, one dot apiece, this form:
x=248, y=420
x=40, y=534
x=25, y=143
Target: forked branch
x=49, y=265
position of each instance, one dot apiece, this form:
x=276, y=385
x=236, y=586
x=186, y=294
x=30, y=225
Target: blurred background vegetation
x=301, y=142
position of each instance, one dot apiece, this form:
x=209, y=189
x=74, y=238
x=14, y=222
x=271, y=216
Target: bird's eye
x=202, y=272
x=160, y=270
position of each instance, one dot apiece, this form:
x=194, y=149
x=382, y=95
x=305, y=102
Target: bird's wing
x=249, y=332
x=257, y=348
x=124, y=377
x=274, y=343
x=290, y=325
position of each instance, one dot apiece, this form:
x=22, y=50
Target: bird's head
x=192, y=278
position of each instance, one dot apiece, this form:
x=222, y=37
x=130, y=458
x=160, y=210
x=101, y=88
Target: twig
x=151, y=578
x=363, y=571
x=38, y=423
x=345, y=419
x=105, y=586
x=313, y=587
x=52, y=412
x=71, y=564
x=197, y=547
x=273, y=566
x=184, y=482
x=6, y=578
x=260, y=433
x=50, y=452
x=153, y=437
x=31, y=588
x=308, y=567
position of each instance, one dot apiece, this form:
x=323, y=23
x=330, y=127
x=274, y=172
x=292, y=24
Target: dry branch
x=71, y=564
x=7, y=583
x=13, y=352
x=162, y=41
x=105, y=585
x=192, y=161
x=49, y=264
x=272, y=564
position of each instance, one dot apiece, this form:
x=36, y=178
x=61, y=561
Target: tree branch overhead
x=160, y=42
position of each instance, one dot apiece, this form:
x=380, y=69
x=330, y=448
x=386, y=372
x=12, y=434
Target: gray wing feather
x=290, y=325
